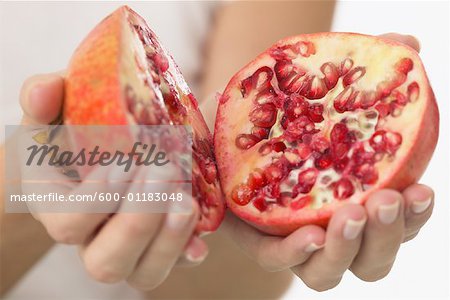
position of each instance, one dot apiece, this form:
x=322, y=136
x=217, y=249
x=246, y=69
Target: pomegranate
x=320, y=120
x=121, y=74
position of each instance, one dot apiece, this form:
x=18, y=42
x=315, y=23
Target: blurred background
x=40, y=37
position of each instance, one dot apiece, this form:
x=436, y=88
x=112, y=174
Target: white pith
x=379, y=59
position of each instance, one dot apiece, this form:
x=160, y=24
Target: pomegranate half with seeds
x=320, y=120
x=121, y=74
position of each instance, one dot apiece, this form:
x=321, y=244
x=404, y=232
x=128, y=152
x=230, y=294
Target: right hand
x=141, y=248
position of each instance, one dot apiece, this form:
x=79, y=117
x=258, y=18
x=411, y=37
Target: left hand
x=364, y=239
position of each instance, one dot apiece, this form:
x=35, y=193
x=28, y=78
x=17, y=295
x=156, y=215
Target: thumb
x=408, y=40
x=41, y=98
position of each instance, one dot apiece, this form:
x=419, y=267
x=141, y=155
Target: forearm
x=244, y=29
x=23, y=240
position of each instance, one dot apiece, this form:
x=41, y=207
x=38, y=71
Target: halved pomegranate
x=121, y=74
x=319, y=120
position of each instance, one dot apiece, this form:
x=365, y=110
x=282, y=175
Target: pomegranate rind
x=418, y=125
x=94, y=95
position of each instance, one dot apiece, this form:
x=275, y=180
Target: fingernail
x=420, y=206
x=313, y=247
x=199, y=257
x=196, y=259
x=178, y=221
x=352, y=228
x=387, y=213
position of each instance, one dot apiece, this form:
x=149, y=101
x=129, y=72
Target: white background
x=41, y=39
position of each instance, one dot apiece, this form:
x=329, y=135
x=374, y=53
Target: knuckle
x=373, y=275
x=410, y=237
x=320, y=285
x=268, y=267
x=65, y=234
x=143, y=284
x=136, y=226
x=101, y=272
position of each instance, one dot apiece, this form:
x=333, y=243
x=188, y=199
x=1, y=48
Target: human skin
x=286, y=255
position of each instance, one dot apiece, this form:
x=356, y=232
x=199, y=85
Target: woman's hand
x=363, y=239
x=139, y=247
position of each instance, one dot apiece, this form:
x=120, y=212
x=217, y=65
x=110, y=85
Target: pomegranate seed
x=306, y=180
x=295, y=106
x=272, y=190
x=395, y=109
x=264, y=115
x=404, y=66
x=314, y=88
x=260, y=80
x=400, y=98
x=288, y=76
x=315, y=112
x=367, y=173
x=413, y=92
x=260, y=203
x=285, y=52
x=293, y=157
x=324, y=161
x=344, y=101
x=377, y=141
x=256, y=179
x=361, y=156
x=305, y=48
x=260, y=132
x=319, y=143
x=340, y=165
x=278, y=146
x=301, y=203
x=246, y=141
x=343, y=189
x=242, y=194
x=346, y=65
x=304, y=151
x=353, y=76
x=338, y=133
x=267, y=95
x=284, y=122
x=366, y=99
x=296, y=129
x=393, y=141
x=274, y=173
x=265, y=149
x=161, y=62
x=208, y=169
x=383, y=109
x=331, y=74
x=339, y=150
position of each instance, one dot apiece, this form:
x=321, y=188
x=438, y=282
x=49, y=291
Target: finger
x=409, y=40
x=418, y=208
x=195, y=252
x=271, y=252
x=114, y=252
x=41, y=98
x=324, y=269
x=382, y=236
x=158, y=260
x=75, y=227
